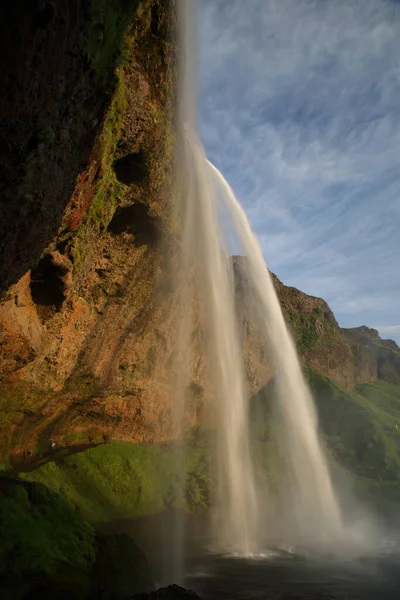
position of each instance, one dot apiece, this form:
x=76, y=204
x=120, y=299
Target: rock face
x=172, y=592
x=88, y=318
x=374, y=358
x=56, y=84
x=82, y=330
x=320, y=341
x=348, y=356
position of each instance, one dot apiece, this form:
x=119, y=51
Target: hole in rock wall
x=155, y=20
x=131, y=168
x=135, y=219
x=48, y=286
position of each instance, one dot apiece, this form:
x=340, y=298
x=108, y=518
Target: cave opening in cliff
x=135, y=219
x=131, y=168
x=155, y=20
x=47, y=286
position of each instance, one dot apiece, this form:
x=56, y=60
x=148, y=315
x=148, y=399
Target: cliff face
x=84, y=335
x=88, y=317
x=374, y=358
x=57, y=80
x=348, y=356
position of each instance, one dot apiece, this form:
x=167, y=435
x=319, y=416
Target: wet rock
x=172, y=592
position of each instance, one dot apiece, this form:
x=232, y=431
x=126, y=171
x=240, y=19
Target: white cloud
x=389, y=331
x=300, y=110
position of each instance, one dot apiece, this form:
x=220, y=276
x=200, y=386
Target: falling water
x=308, y=502
x=203, y=252
x=312, y=512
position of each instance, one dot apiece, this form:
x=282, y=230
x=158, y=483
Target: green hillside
x=362, y=426
x=361, y=429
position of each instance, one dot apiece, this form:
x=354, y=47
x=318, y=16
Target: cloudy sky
x=300, y=109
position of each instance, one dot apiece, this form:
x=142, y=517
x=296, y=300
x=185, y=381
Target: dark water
x=278, y=575
x=284, y=576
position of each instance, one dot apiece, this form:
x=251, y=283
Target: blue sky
x=300, y=110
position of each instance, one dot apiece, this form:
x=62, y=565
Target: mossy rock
x=122, y=568
x=41, y=538
x=49, y=551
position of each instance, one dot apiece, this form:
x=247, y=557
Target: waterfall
x=309, y=512
x=312, y=511
x=236, y=496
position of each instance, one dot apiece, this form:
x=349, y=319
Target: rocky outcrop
x=374, y=358
x=172, y=592
x=319, y=339
x=56, y=61
x=348, y=356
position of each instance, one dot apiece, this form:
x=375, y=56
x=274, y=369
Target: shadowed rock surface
x=172, y=592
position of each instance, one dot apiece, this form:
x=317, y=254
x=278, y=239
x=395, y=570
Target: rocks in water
x=172, y=592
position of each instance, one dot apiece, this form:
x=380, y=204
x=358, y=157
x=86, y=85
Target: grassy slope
x=360, y=432
x=360, y=425
x=123, y=480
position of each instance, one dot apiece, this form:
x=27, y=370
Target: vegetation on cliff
x=124, y=480
x=39, y=531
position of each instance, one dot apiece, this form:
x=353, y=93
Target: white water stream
x=310, y=511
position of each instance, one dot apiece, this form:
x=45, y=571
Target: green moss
x=15, y=404
x=47, y=550
x=77, y=253
x=109, y=19
x=303, y=328
x=109, y=189
x=124, y=480
x=47, y=135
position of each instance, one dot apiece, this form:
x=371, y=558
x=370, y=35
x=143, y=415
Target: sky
x=299, y=104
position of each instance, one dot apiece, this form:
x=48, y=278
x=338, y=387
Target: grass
x=124, y=480
x=48, y=551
